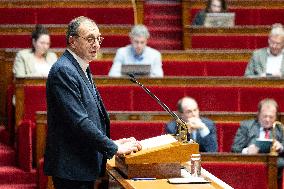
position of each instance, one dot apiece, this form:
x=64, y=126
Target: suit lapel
x=263, y=60
x=85, y=79
x=254, y=131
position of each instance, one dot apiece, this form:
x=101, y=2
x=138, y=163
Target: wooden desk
x=162, y=183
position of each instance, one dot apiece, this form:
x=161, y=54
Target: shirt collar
x=81, y=62
x=269, y=53
x=262, y=129
x=138, y=57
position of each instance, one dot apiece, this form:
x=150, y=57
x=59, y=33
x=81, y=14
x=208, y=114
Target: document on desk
x=188, y=180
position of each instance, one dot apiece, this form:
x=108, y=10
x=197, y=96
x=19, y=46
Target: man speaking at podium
x=78, y=125
x=202, y=130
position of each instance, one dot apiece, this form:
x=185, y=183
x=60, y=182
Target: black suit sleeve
x=209, y=142
x=72, y=108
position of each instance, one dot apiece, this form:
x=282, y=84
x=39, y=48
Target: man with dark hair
x=78, y=142
x=202, y=130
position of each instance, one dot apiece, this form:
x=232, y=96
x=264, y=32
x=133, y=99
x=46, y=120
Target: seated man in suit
x=202, y=130
x=269, y=61
x=261, y=127
x=138, y=53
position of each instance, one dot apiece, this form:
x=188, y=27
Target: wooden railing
x=268, y=160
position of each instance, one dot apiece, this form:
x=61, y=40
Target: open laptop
x=219, y=19
x=136, y=69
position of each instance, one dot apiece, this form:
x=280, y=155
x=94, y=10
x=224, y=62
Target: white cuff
x=204, y=132
x=245, y=151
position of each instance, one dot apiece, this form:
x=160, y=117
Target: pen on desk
x=135, y=179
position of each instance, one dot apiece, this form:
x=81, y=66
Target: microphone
x=182, y=130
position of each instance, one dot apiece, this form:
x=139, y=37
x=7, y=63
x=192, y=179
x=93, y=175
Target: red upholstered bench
x=145, y=129
x=240, y=175
x=237, y=41
x=133, y=98
x=35, y=100
x=100, y=67
x=258, y=16
x=252, y=16
x=58, y=41
x=250, y=96
x=225, y=134
x=184, y=68
x=59, y=15
x=139, y=130
x=25, y=145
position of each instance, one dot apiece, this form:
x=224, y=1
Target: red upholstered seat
x=58, y=41
x=133, y=98
x=169, y=95
x=250, y=96
x=64, y=15
x=139, y=130
x=258, y=16
x=254, y=175
x=10, y=108
x=211, y=41
x=35, y=100
x=184, y=68
x=224, y=68
x=25, y=145
x=225, y=134
x=215, y=98
x=100, y=67
x=252, y=16
x=117, y=98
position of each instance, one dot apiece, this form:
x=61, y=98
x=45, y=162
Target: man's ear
x=34, y=42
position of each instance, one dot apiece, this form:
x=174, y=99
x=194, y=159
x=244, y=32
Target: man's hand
x=253, y=149
x=195, y=123
x=127, y=145
x=277, y=146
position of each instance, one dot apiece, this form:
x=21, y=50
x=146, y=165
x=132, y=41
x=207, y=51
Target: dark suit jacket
x=78, y=124
x=206, y=144
x=247, y=134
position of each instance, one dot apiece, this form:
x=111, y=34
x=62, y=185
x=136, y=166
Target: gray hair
x=277, y=29
x=73, y=26
x=139, y=30
x=265, y=102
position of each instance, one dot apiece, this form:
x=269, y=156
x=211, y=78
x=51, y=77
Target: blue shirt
x=127, y=55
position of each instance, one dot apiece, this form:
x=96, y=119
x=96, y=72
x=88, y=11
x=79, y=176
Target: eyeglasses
x=92, y=40
x=274, y=43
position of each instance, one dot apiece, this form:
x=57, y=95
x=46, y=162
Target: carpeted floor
x=12, y=177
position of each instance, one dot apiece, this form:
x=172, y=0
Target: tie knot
x=267, y=129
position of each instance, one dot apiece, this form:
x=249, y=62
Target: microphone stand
x=182, y=129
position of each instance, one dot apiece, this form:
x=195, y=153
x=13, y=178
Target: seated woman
x=213, y=6
x=37, y=61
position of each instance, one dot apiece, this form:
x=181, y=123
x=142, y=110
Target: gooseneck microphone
x=182, y=130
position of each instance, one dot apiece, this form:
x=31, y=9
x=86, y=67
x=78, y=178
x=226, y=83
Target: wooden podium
x=162, y=161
